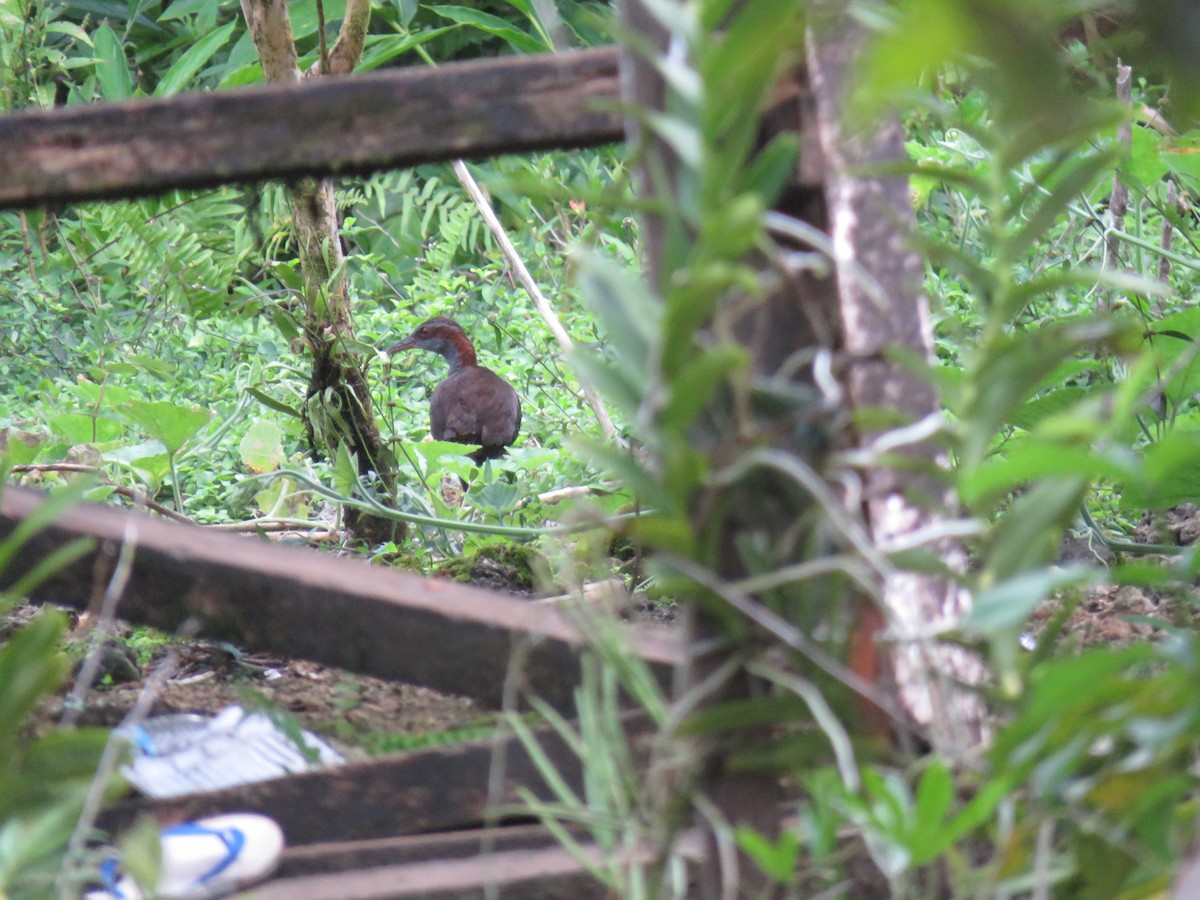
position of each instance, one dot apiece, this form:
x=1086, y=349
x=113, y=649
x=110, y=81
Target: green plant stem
x=1156, y=249
x=175, y=483
x=374, y=506
x=1118, y=546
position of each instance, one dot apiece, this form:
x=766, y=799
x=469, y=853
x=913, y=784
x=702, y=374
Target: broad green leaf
x=1033, y=411
x=1029, y=459
x=1172, y=473
x=167, y=422
x=935, y=796
x=180, y=9
x=261, y=448
x=193, y=60
x=20, y=447
x=345, y=471
x=77, y=428
x=100, y=396
x=1145, y=161
x=149, y=458
x=112, y=69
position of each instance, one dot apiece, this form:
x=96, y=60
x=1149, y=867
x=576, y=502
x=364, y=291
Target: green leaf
x=1031, y=530
x=935, y=796
x=112, y=70
x=345, y=471
x=778, y=858
x=271, y=403
x=1009, y=604
x=1182, y=157
x=516, y=38
x=625, y=307
x=1036, y=410
x=78, y=428
x=149, y=458
x=1172, y=473
x=261, y=448
x=31, y=667
x=166, y=422
x=382, y=48
x=693, y=385
x=1029, y=459
x=1080, y=175
x=1145, y=163
x=193, y=60
x=771, y=169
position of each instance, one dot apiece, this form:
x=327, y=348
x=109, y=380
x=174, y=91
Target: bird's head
x=441, y=335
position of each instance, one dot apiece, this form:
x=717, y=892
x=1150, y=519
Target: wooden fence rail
x=323, y=126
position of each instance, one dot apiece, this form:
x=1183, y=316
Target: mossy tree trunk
x=338, y=411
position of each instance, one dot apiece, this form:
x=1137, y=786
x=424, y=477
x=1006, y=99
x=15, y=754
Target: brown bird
x=473, y=405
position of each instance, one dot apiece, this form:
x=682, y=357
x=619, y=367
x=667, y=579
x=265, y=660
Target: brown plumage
x=473, y=405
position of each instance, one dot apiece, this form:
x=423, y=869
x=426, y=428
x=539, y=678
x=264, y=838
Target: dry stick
x=105, y=617
x=131, y=493
x=72, y=706
x=1118, y=204
x=1168, y=234
x=543, y=305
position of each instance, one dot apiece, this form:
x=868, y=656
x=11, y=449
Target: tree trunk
x=882, y=306
x=338, y=410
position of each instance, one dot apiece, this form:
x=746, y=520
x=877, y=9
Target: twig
x=1168, y=234
x=1118, y=203
x=539, y=300
x=109, y=759
x=105, y=617
x=131, y=493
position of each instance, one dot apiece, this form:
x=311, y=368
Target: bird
x=473, y=405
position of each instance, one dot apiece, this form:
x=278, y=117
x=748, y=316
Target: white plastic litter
x=184, y=754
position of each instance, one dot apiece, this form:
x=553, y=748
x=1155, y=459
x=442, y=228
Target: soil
x=360, y=715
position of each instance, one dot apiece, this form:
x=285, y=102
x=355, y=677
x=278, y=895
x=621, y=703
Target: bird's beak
x=406, y=344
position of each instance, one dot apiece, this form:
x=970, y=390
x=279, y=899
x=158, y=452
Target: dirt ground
x=360, y=715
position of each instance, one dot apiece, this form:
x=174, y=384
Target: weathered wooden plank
x=295, y=601
x=341, y=856
x=436, y=789
x=513, y=867
x=546, y=873
x=323, y=126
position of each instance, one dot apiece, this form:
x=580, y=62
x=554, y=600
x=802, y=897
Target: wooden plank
x=341, y=856
x=519, y=868
x=420, y=791
x=323, y=126
x=546, y=873
x=302, y=603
